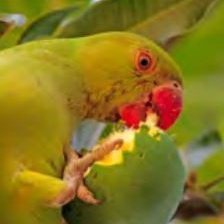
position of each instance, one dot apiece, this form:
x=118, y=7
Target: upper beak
x=167, y=103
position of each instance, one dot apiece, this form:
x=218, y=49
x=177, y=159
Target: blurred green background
x=200, y=56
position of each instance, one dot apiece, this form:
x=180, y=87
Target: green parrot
x=48, y=87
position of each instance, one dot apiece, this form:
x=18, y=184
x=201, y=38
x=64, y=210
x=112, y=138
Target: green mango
x=145, y=187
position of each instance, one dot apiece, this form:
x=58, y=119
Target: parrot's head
x=128, y=77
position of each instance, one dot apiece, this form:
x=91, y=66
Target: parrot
x=47, y=87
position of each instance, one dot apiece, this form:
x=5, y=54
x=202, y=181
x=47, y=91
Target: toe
x=86, y=195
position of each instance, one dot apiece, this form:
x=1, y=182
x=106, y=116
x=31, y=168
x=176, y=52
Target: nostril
x=175, y=84
x=155, y=83
x=148, y=104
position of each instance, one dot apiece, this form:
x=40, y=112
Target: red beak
x=168, y=103
x=165, y=100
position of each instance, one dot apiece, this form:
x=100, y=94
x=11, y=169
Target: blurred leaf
x=162, y=27
x=10, y=38
x=200, y=56
x=30, y=9
x=208, y=139
x=154, y=19
x=33, y=9
x=210, y=174
x=46, y=25
x=160, y=20
x=200, y=149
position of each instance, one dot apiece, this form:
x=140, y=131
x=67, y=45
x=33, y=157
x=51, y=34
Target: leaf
x=154, y=19
x=32, y=9
x=212, y=168
x=200, y=56
x=201, y=148
x=209, y=182
x=46, y=25
x=159, y=20
x=162, y=27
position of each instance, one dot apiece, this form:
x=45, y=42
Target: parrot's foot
x=75, y=170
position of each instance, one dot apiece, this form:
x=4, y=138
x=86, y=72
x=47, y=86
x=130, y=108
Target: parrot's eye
x=145, y=62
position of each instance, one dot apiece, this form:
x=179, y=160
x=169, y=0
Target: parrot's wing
x=32, y=190
x=44, y=187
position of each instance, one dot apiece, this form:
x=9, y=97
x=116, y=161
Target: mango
x=143, y=186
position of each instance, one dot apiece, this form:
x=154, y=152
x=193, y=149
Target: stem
x=213, y=183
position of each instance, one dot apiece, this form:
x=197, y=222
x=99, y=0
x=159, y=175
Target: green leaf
x=173, y=22
x=200, y=56
x=160, y=20
x=32, y=9
x=212, y=168
x=210, y=175
x=46, y=25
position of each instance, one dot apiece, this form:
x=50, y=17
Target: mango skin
x=145, y=188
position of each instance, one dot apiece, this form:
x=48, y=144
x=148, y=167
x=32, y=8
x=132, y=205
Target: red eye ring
x=145, y=62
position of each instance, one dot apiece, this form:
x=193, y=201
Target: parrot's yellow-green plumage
x=47, y=87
